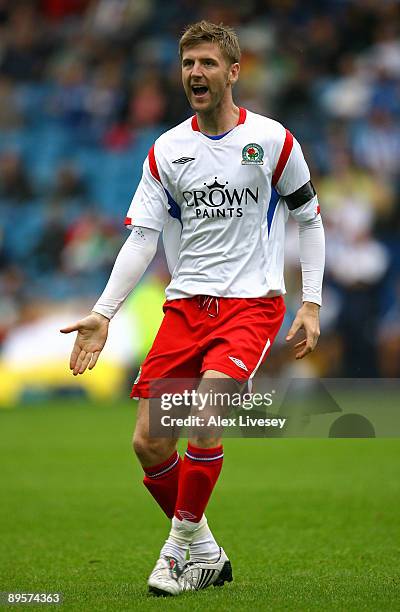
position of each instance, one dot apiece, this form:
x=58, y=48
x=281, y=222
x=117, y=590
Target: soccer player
x=220, y=186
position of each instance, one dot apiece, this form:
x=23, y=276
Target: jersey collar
x=242, y=119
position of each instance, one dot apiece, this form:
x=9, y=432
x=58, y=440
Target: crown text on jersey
x=217, y=200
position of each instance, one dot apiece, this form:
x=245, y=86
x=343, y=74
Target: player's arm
x=312, y=258
x=146, y=217
x=130, y=265
x=299, y=194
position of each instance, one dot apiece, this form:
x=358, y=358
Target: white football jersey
x=219, y=204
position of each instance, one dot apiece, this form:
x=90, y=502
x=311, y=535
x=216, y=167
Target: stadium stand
x=86, y=87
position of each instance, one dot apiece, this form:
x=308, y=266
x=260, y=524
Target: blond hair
x=204, y=31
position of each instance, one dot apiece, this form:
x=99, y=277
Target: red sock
x=162, y=482
x=199, y=473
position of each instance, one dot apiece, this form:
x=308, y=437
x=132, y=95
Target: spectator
x=90, y=245
x=26, y=44
x=10, y=111
x=47, y=251
x=69, y=184
x=15, y=184
x=376, y=143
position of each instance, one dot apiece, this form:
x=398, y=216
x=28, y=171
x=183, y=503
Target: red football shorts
x=230, y=335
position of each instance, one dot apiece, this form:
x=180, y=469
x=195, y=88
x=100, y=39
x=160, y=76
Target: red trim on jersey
x=195, y=124
x=128, y=221
x=242, y=119
x=242, y=115
x=283, y=157
x=153, y=165
x=318, y=209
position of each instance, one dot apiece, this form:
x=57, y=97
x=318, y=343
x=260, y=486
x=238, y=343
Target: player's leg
x=172, y=356
x=200, y=469
x=160, y=461
x=246, y=330
x=202, y=462
x=161, y=464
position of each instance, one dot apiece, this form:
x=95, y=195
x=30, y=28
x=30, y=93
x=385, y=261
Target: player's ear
x=234, y=73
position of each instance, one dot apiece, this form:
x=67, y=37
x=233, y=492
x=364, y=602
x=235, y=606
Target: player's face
x=207, y=76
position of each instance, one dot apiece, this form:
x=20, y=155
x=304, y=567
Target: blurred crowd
x=87, y=85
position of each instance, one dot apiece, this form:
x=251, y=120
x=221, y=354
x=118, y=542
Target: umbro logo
x=185, y=515
x=183, y=160
x=238, y=362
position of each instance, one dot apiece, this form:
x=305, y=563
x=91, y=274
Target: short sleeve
x=149, y=204
x=292, y=178
x=295, y=173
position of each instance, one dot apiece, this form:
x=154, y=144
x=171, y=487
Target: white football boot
x=164, y=579
x=198, y=575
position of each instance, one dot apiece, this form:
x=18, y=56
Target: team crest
x=253, y=153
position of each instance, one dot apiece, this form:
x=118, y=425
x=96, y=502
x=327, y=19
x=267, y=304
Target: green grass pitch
x=308, y=524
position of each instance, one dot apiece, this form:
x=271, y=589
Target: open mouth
x=199, y=90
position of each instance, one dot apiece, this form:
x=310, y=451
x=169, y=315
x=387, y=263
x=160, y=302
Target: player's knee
x=140, y=445
x=206, y=442
x=151, y=451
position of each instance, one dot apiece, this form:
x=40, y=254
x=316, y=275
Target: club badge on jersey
x=253, y=153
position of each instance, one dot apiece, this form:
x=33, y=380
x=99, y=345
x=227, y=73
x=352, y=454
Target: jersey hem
x=180, y=295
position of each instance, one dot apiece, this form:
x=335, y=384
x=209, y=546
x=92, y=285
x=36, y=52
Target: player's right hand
x=89, y=342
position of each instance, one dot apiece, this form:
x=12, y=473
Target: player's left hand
x=307, y=318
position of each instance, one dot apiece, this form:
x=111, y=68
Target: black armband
x=300, y=197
